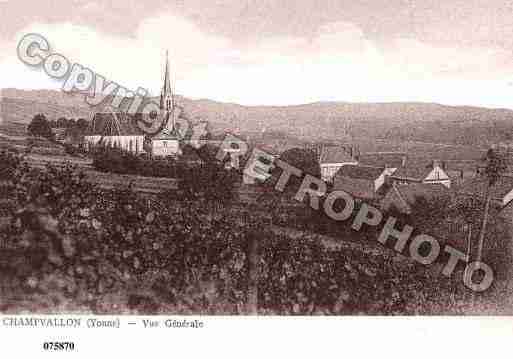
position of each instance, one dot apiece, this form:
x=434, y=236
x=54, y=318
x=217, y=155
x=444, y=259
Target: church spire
x=166, y=96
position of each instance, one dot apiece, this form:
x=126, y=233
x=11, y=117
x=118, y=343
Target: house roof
x=358, y=180
x=414, y=169
x=360, y=172
x=360, y=188
x=335, y=154
x=478, y=186
x=120, y=124
x=382, y=159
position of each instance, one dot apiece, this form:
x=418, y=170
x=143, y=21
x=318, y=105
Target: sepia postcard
x=304, y=172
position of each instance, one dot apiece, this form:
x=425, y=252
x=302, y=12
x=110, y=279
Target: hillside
x=323, y=120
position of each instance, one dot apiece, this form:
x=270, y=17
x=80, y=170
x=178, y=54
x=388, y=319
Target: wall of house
x=380, y=181
x=437, y=175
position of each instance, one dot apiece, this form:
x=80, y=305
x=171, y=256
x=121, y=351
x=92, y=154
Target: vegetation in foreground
x=67, y=246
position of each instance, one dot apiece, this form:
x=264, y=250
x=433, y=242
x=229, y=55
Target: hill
x=316, y=121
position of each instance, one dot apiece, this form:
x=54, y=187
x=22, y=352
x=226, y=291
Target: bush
x=114, y=160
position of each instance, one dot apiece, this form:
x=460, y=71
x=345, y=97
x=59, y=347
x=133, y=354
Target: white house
x=416, y=172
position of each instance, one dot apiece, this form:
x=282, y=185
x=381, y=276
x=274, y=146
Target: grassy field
x=148, y=185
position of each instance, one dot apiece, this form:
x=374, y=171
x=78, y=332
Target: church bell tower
x=166, y=95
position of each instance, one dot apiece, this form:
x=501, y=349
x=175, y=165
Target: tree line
x=40, y=126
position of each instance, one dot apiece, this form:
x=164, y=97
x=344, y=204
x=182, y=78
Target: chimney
x=403, y=161
x=436, y=163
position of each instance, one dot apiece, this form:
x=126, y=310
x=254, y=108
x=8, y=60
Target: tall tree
x=495, y=166
x=39, y=126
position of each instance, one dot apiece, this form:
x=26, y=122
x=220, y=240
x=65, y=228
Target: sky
x=278, y=52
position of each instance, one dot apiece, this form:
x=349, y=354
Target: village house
x=332, y=158
x=362, y=182
x=418, y=172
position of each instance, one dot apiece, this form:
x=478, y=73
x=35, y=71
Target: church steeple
x=166, y=96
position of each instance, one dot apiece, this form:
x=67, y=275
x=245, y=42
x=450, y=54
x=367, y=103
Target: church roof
x=124, y=124
x=119, y=124
x=382, y=159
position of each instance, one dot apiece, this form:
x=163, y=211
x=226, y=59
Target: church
x=120, y=129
